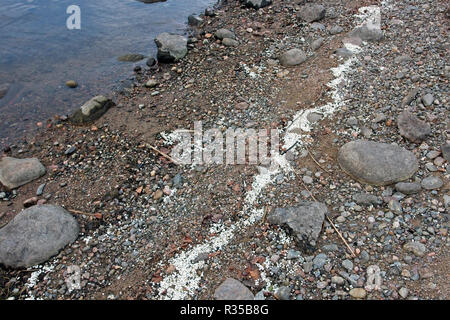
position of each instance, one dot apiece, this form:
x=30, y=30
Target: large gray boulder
x=292, y=57
x=257, y=4
x=304, y=221
x=35, y=235
x=91, y=110
x=412, y=128
x=377, y=163
x=231, y=289
x=171, y=47
x=17, y=172
x=311, y=12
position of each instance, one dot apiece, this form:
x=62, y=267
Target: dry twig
x=162, y=153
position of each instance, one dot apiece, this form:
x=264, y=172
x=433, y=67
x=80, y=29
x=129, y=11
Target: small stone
x=338, y=280
x=227, y=42
x=232, y=289
x=428, y=100
x=151, y=83
x=403, y=292
x=283, y=293
x=408, y=187
x=431, y=183
x=347, y=264
x=18, y=172
x=412, y=128
x=316, y=44
x=292, y=57
x=70, y=151
x=158, y=194
x=195, y=20
x=446, y=151
x=358, y=293
x=311, y=12
x=30, y=202
x=225, y=33
x=336, y=30
x=415, y=247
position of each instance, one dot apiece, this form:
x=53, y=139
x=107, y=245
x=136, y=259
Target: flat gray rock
x=292, y=57
x=427, y=99
x=367, y=32
x=227, y=42
x=367, y=199
x=311, y=12
x=431, y=183
x=231, y=289
x=377, y=163
x=412, y=128
x=257, y=4
x=408, y=187
x=17, y=172
x=316, y=44
x=91, y=110
x=304, y=221
x=225, y=33
x=446, y=151
x=35, y=235
x=171, y=47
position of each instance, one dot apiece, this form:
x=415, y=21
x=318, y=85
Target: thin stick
x=265, y=214
x=329, y=220
x=310, y=154
x=95, y=215
x=162, y=153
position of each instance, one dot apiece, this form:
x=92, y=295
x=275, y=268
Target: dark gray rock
x=292, y=57
x=91, y=110
x=257, y=4
x=171, y=47
x=305, y=221
x=3, y=90
x=446, y=151
x=366, y=199
x=377, y=163
x=408, y=187
x=17, y=172
x=35, y=235
x=412, y=128
x=316, y=44
x=227, y=42
x=283, y=293
x=210, y=12
x=336, y=30
x=231, y=289
x=431, y=183
x=194, y=20
x=367, y=32
x=151, y=61
x=311, y=12
x=225, y=33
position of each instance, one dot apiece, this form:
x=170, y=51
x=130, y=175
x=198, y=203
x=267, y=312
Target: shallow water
x=38, y=53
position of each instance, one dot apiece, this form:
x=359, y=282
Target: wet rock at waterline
x=304, y=221
x=292, y=57
x=412, y=128
x=257, y=4
x=91, y=110
x=17, y=172
x=231, y=289
x=133, y=57
x=377, y=163
x=35, y=235
x=194, y=20
x=171, y=47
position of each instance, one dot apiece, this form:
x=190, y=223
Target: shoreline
x=158, y=217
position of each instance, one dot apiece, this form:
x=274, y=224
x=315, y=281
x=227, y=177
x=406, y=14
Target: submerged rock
x=17, y=172
x=35, y=235
x=133, y=57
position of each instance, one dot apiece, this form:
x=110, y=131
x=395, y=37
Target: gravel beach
x=354, y=207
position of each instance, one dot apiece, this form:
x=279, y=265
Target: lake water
x=38, y=53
